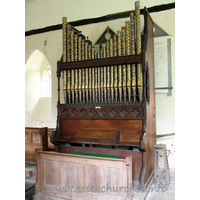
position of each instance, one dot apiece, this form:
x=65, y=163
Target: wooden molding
x=165, y=135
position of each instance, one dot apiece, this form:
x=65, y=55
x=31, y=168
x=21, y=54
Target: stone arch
x=37, y=108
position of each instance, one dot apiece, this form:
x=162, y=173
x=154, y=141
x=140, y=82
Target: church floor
x=30, y=181
x=159, y=191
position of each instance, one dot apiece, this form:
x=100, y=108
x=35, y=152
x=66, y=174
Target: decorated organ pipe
x=76, y=84
x=79, y=48
x=99, y=84
x=92, y=53
x=72, y=85
x=95, y=55
x=75, y=71
x=138, y=48
x=111, y=72
x=104, y=78
x=119, y=47
x=68, y=43
x=72, y=59
x=128, y=78
x=103, y=84
x=108, y=72
x=72, y=45
x=93, y=90
x=83, y=49
x=90, y=84
x=79, y=84
x=89, y=51
x=68, y=60
x=75, y=47
x=83, y=85
x=95, y=85
x=86, y=84
x=86, y=51
x=124, y=66
x=132, y=47
x=115, y=68
x=102, y=91
x=64, y=27
x=68, y=86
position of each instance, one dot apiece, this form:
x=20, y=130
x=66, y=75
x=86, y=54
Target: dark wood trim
x=123, y=60
x=111, y=111
x=164, y=135
x=109, y=17
x=164, y=88
x=58, y=75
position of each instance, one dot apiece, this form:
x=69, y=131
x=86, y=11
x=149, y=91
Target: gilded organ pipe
x=105, y=84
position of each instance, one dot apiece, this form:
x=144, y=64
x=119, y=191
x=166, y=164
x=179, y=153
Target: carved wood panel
x=68, y=171
x=36, y=138
x=102, y=112
x=26, y=136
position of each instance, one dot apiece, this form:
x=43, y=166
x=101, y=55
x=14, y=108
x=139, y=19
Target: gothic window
x=46, y=82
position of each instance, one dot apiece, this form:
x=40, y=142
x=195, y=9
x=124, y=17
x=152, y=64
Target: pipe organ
x=103, y=84
x=109, y=95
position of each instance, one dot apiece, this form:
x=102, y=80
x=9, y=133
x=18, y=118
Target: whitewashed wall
x=42, y=13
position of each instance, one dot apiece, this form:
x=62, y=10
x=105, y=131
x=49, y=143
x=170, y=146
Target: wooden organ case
x=109, y=104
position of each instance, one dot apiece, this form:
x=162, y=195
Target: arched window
x=46, y=82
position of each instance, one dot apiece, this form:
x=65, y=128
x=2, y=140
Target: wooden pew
x=50, y=145
x=35, y=138
x=86, y=177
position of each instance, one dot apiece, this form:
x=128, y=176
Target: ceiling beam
x=105, y=18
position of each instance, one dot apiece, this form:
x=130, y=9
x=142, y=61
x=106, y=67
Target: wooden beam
x=100, y=19
x=164, y=135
